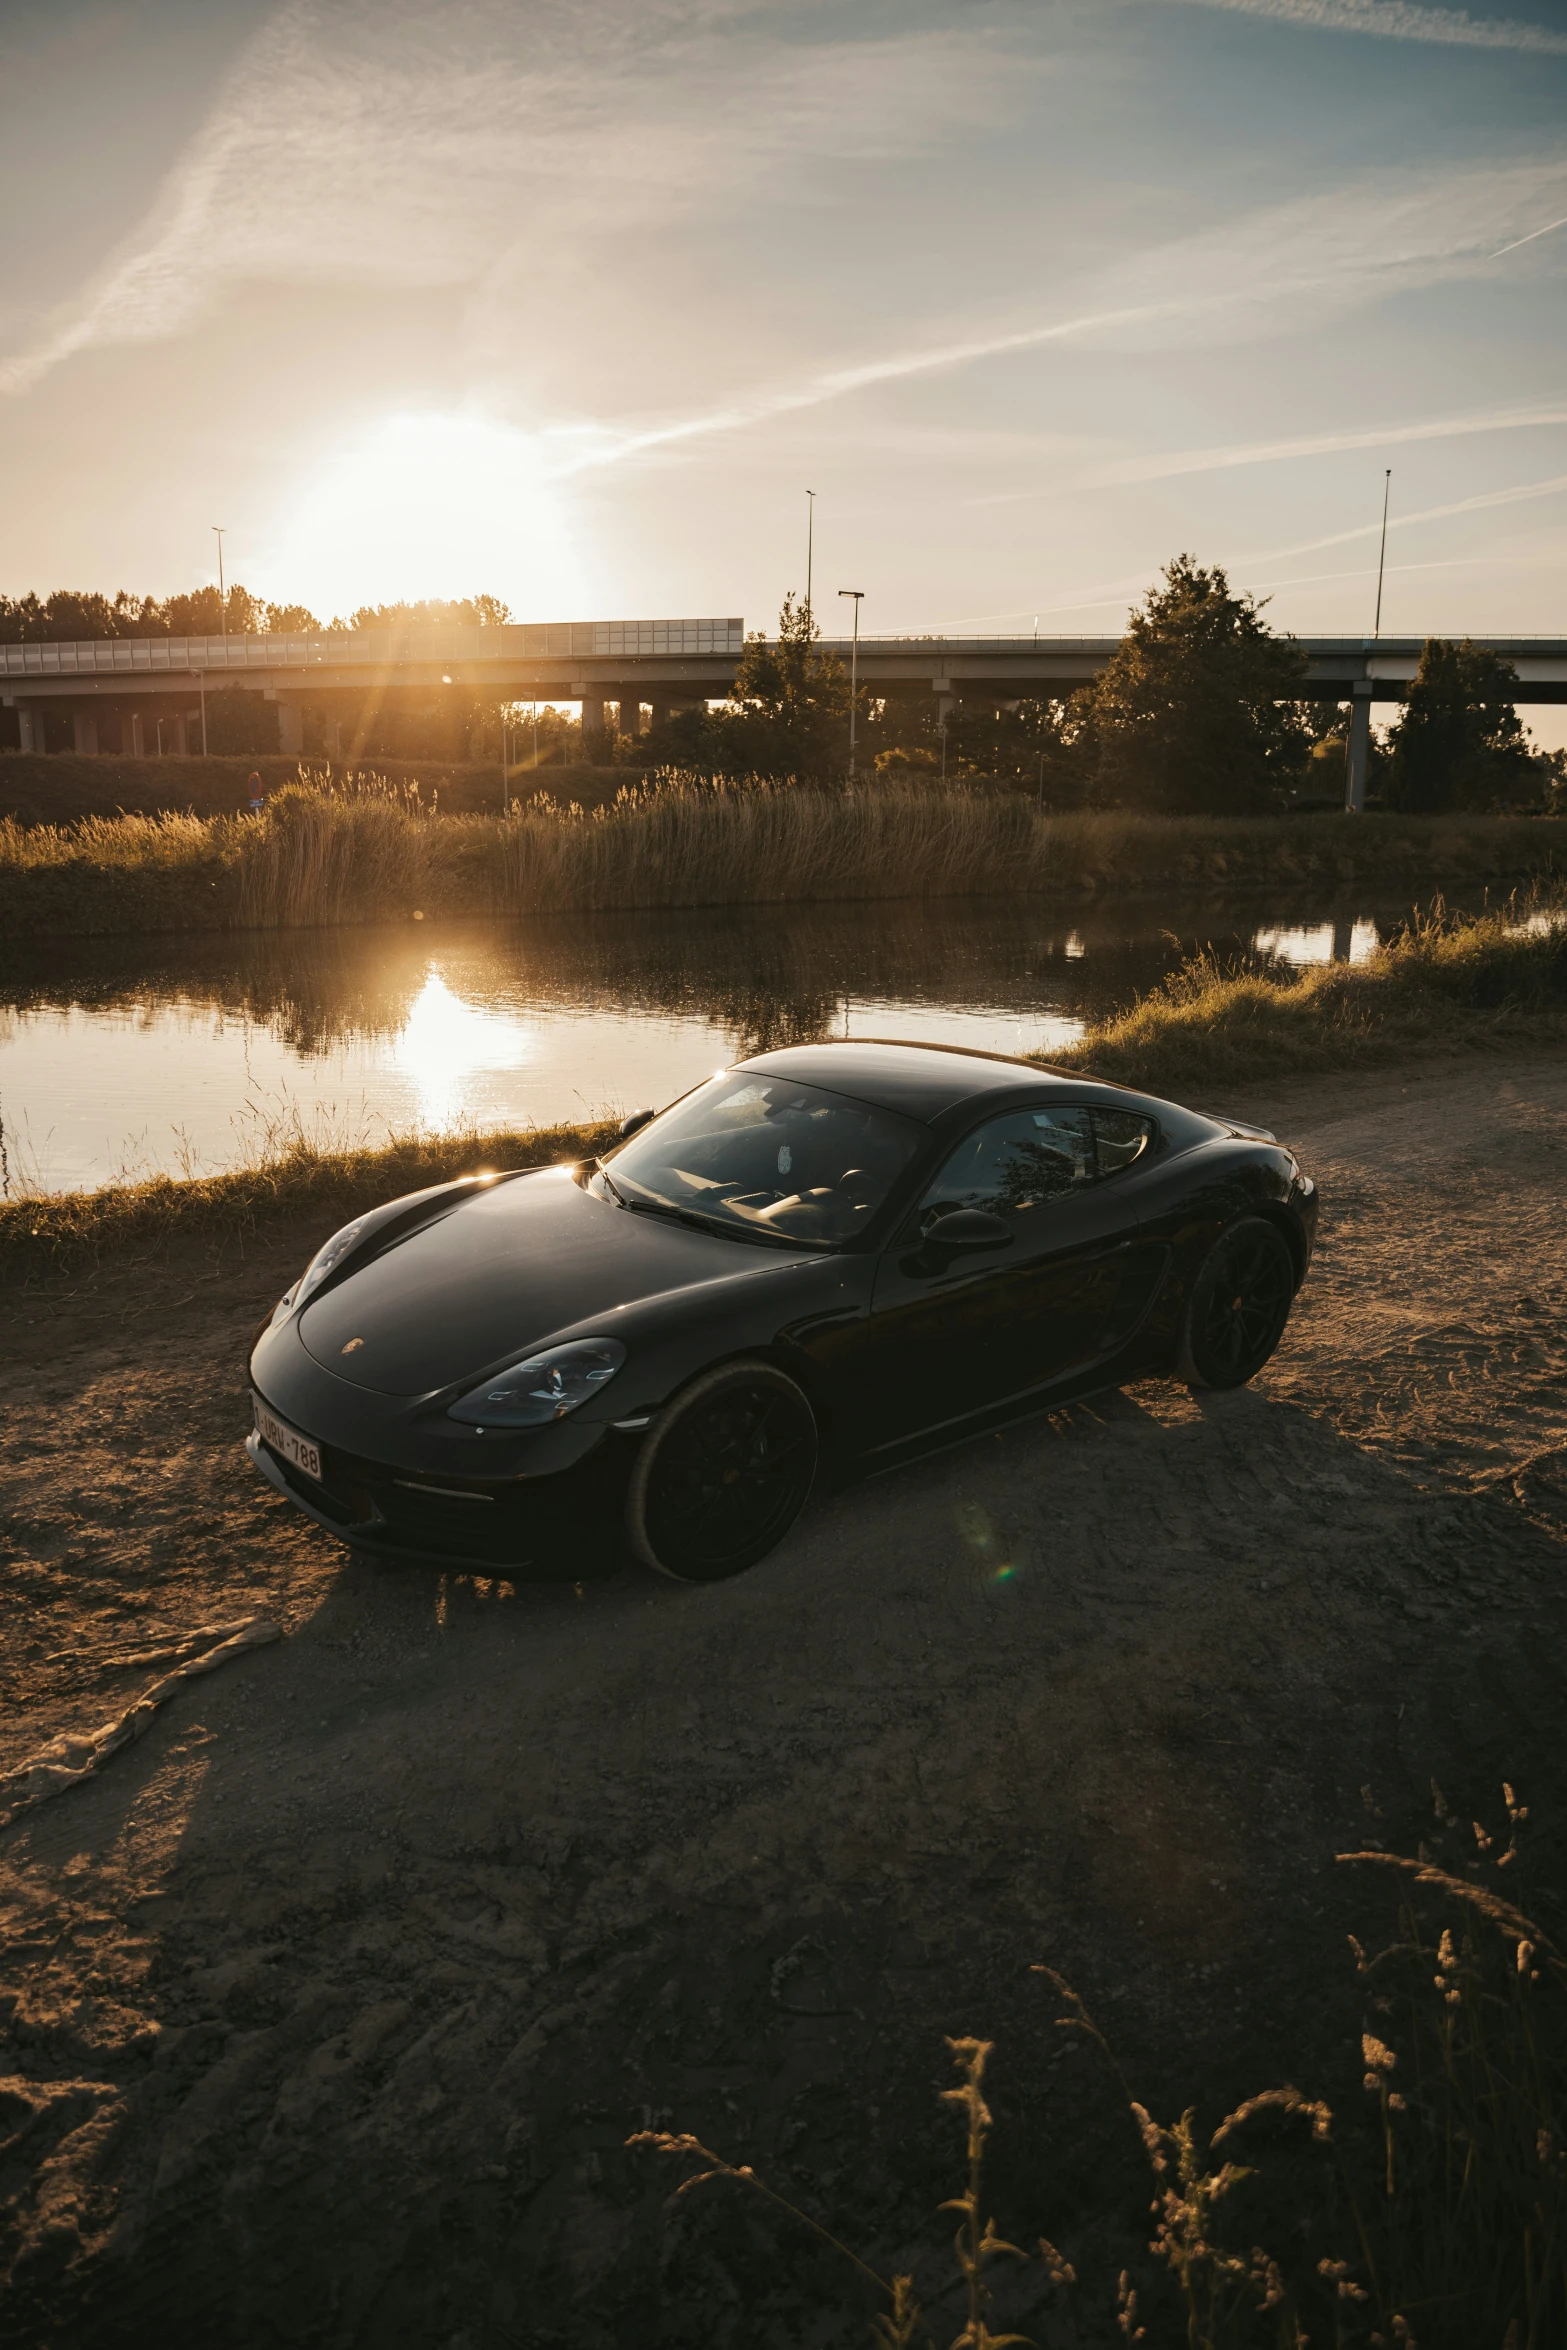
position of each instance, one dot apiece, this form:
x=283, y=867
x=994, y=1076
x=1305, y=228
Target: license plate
x=286, y=1440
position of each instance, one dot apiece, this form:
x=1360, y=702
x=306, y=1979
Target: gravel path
x=326, y=2008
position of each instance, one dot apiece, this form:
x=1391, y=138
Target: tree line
x=1197, y=712
x=71, y=615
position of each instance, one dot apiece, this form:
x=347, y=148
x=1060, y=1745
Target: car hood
x=503, y=1271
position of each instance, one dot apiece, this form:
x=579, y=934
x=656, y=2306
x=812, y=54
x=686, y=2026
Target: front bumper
x=562, y=1526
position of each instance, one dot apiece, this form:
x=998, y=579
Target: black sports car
x=840, y=1250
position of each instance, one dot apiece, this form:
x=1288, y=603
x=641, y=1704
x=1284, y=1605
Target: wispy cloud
x=1288, y=265
x=513, y=145
x=1522, y=493
x=1171, y=464
x=1400, y=20
x=1105, y=595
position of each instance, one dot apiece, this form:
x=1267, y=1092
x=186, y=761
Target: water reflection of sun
x=444, y=1043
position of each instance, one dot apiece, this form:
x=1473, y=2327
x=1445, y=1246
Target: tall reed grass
x=357, y=850
x=1426, y=2209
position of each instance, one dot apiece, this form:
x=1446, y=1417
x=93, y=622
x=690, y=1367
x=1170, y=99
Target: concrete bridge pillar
x=30, y=727
x=290, y=727
x=658, y=710
x=84, y=733
x=592, y=714
x=1357, y=758
x=628, y=713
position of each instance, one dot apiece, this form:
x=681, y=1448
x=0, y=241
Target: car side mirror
x=966, y=1230
x=637, y=1120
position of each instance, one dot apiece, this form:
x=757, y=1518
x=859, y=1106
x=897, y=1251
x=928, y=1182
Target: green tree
x=203, y=612
x=71, y=614
x=789, y=713
x=240, y=723
x=1194, y=712
x=1031, y=744
x=434, y=612
x=1459, y=742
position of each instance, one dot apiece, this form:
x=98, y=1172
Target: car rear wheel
x=724, y=1473
x=1239, y=1305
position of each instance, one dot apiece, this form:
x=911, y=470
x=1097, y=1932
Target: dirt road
x=328, y=2006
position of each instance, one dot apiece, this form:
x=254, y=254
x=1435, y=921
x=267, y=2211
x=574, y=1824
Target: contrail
x=1366, y=530
x=1176, y=462
x=1399, y=20
x=1106, y=603
x=1102, y=595
x=817, y=390
x=1529, y=239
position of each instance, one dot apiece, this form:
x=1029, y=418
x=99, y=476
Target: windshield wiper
x=610, y=1184
x=695, y=1221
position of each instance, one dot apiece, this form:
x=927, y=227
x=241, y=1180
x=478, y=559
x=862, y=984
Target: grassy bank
x=333, y=856
x=1499, y=979
x=61, y=1229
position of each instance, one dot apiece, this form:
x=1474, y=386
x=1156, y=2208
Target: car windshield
x=768, y=1156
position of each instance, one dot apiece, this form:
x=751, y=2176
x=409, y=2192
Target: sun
x=432, y=506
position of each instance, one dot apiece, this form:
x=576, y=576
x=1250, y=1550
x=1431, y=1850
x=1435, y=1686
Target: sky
x=573, y=301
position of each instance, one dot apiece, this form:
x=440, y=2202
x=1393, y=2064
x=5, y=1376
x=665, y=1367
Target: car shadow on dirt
x=346, y=1987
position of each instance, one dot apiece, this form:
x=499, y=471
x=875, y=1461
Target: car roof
x=920, y=1080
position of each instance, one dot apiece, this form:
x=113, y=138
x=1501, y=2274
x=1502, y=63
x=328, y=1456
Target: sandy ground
x=325, y=2010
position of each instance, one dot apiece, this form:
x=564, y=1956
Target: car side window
x=1122, y=1138
x=1015, y=1165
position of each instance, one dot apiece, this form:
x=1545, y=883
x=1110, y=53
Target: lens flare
x=433, y=506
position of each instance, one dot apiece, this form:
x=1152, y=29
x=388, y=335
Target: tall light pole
x=854, y=672
x=810, y=545
x=1387, y=485
x=223, y=607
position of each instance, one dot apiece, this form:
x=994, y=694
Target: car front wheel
x=1239, y=1305
x=725, y=1470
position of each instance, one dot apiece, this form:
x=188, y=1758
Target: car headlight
x=544, y=1387
x=327, y=1259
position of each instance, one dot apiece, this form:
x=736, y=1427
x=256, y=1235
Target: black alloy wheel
x=1240, y=1303
x=723, y=1475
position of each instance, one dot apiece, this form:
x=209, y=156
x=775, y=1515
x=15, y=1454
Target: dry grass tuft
x=67, y=1228
x=1434, y=2217
x=1446, y=983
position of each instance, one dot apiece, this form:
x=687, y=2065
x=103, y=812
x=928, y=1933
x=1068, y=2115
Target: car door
x=952, y=1334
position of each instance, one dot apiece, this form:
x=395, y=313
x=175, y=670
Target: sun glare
x=432, y=506
x=445, y=1043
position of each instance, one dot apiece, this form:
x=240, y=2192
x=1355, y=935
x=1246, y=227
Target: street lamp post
x=810, y=545
x=854, y=672
x=1387, y=485
x=223, y=606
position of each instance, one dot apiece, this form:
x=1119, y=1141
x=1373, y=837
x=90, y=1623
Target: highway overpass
x=153, y=689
